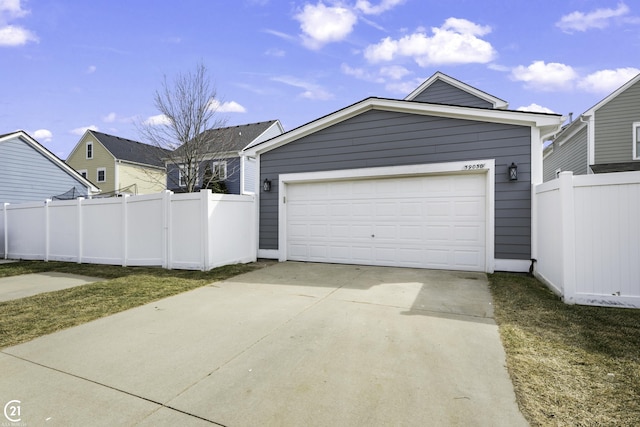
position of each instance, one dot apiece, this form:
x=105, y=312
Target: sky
x=70, y=65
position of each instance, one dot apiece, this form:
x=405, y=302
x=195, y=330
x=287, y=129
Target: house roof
x=548, y=123
x=52, y=157
x=131, y=151
x=572, y=128
x=235, y=137
x=495, y=101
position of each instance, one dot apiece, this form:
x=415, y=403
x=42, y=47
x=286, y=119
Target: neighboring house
x=30, y=172
x=418, y=182
x=223, y=157
x=118, y=165
x=605, y=138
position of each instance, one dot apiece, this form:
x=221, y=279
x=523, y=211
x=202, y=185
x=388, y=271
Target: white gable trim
x=496, y=102
x=611, y=96
x=548, y=123
x=53, y=158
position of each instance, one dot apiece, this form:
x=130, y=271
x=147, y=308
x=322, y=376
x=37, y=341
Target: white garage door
x=428, y=221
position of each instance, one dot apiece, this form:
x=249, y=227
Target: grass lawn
x=570, y=365
x=127, y=287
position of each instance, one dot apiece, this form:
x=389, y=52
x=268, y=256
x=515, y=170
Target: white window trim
x=84, y=173
x=635, y=128
x=181, y=180
x=86, y=150
x=222, y=163
x=98, y=174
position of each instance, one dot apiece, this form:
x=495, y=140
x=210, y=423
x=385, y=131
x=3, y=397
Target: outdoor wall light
x=513, y=172
x=266, y=185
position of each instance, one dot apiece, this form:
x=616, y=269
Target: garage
x=429, y=221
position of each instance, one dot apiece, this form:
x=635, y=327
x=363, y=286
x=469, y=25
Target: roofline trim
x=497, y=102
x=440, y=110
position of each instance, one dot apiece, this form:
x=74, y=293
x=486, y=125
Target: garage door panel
x=429, y=222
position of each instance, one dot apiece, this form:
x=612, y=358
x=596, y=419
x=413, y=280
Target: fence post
x=47, y=233
x=6, y=230
x=568, y=237
x=124, y=229
x=80, y=227
x=204, y=234
x=166, y=232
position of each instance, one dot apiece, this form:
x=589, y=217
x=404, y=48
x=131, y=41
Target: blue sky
x=68, y=65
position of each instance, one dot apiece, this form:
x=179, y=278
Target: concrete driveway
x=293, y=344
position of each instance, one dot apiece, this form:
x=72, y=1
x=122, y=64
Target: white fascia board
x=497, y=102
x=549, y=123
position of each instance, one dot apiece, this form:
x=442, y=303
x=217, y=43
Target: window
x=89, y=150
x=182, y=176
x=83, y=172
x=636, y=141
x=219, y=170
x=102, y=175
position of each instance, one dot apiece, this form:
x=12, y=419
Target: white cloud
x=12, y=9
x=43, y=135
x=157, y=120
x=535, y=108
x=395, y=72
x=91, y=69
x=13, y=35
x=81, y=130
x=322, y=24
x=546, y=77
x=226, y=107
x=606, y=81
x=360, y=73
x=311, y=90
x=367, y=8
x=457, y=41
x=280, y=34
x=404, y=87
x=110, y=118
x=599, y=18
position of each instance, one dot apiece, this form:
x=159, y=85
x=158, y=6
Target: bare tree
x=188, y=111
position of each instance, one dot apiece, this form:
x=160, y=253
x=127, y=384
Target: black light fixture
x=513, y=172
x=266, y=185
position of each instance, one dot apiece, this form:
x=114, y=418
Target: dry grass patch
x=570, y=365
x=126, y=287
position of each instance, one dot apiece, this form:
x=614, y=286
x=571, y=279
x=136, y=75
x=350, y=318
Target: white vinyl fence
x=588, y=238
x=195, y=231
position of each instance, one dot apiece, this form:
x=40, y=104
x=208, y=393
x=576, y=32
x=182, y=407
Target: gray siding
x=232, y=182
x=382, y=138
x=613, y=121
x=26, y=175
x=443, y=93
x=570, y=156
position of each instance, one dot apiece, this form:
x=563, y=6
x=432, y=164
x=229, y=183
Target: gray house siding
x=443, y=93
x=570, y=156
x=381, y=138
x=26, y=175
x=613, y=121
x=232, y=182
